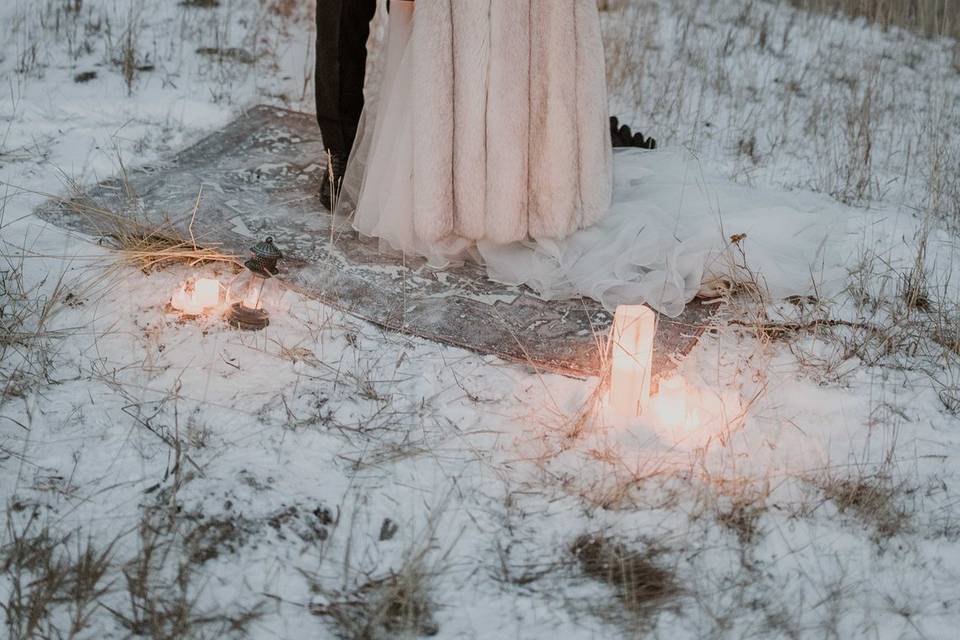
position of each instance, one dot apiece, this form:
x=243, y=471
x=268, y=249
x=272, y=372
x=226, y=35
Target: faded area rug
x=261, y=175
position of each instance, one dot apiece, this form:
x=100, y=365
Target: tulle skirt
x=669, y=227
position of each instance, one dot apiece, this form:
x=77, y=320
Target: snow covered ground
x=178, y=479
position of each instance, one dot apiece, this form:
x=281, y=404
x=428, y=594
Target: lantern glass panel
x=254, y=291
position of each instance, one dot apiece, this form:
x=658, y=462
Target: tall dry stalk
x=931, y=17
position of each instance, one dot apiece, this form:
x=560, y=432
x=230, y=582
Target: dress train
x=670, y=225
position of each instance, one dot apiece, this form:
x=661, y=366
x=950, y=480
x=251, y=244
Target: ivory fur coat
x=509, y=119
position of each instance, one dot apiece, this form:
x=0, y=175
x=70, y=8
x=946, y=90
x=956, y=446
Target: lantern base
x=243, y=317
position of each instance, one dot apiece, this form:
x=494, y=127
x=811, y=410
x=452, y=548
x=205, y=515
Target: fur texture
x=471, y=44
x=554, y=172
x=510, y=119
x=594, y=144
x=433, y=55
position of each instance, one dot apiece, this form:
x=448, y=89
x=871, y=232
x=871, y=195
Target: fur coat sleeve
x=510, y=119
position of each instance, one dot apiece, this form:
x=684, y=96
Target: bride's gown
x=485, y=138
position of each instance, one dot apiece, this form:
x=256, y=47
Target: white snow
x=489, y=472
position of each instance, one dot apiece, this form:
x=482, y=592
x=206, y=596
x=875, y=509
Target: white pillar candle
x=206, y=293
x=180, y=299
x=632, y=359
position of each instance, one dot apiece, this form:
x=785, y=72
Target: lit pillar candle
x=181, y=299
x=207, y=292
x=193, y=297
x=632, y=359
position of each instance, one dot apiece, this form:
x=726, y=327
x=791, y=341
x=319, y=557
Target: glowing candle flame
x=193, y=297
x=253, y=300
x=207, y=292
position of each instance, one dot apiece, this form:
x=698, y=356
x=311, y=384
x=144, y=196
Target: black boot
x=623, y=137
x=333, y=180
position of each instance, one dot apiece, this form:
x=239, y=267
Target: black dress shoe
x=622, y=136
x=333, y=180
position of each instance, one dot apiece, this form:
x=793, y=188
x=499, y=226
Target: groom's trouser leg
x=343, y=27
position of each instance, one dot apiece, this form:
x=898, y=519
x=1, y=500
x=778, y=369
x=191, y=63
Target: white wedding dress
x=485, y=138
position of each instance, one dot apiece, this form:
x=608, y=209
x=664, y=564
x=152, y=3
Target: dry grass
x=200, y=4
x=148, y=247
x=239, y=33
x=745, y=83
x=236, y=54
x=874, y=499
x=399, y=603
x=903, y=316
x=396, y=605
x=26, y=311
x=47, y=576
x=643, y=586
x=373, y=603
x=162, y=595
x=27, y=314
x=742, y=516
x=140, y=243
x=930, y=17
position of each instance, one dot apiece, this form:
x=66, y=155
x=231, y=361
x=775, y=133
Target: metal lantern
x=255, y=289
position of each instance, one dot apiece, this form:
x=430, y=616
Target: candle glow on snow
x=192, y=298
x=674, y=405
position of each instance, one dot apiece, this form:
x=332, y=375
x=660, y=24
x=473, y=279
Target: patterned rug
x=260, y=176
